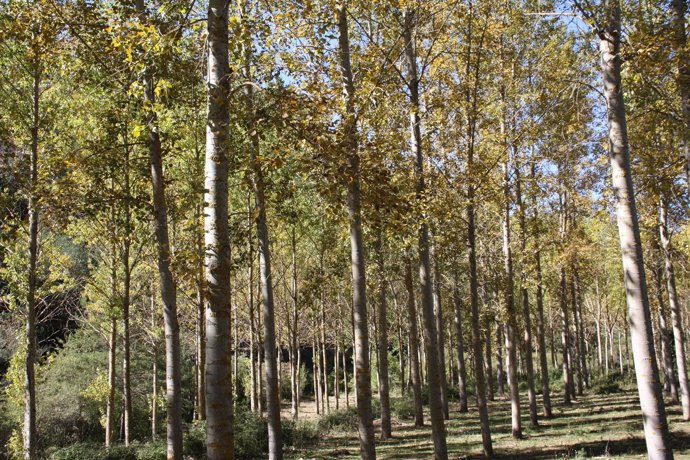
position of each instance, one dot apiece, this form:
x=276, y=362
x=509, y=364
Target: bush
x=88, y=451
x=151, y=451
x=339, y=420
x=251, y=434
x=300, y=434
x=608, y=384
x=194, y=442
x=402, y=407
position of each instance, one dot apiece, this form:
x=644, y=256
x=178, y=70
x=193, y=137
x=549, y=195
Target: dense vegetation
x=246, y=229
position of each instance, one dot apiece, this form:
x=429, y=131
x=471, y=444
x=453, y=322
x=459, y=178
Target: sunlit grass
x=595, y=426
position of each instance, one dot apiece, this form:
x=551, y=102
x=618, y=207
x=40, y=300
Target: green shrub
x=90, y=451
x=151, y=451
x=120, y=453
x=339, y=420
x=194, y=442
x=300, y=434
x=251, y=434
x=81, y=451
x=608, y=384
x=402, y=407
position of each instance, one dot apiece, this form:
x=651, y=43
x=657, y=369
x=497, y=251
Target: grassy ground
x=596, y=426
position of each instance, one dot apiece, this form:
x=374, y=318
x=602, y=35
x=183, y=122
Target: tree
x=434, y=378
x=219, y=406
x=608, y=27
x=359, y=298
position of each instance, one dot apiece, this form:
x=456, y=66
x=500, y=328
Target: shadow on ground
x=600, y=426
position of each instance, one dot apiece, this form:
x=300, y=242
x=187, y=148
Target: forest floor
x=595, y=426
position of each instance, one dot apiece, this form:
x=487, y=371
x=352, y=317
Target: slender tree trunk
x=110, y=406
x=324, y=356
x=293, y=322
x=154, y=395
x=646, y=370
x=527, y=336
x=434, y=375
x=509, y=296
x=275, y=443
x=359, y=300
x=581, y=330
x=127, y=278
x=665, y=336
x=29, y=433
x=440, y=335
x=345, y=381
x=201, y=355
x=384, y=392
x=336, y=377
x=541, y=340
x=201, y=326
x=565, y=339
x=674, y=304
x=500, y=376
x=167, y=281
x=488, y=364
x=414, y=345
x=219, y=409
x=462, y=373
x=576, y=338
x=678, y=9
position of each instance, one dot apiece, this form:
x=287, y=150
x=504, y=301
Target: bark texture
x=219, y=405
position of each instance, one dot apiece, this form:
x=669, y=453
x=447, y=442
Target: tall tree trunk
x=674, y=304
x=527, y=316
x=462, y=373
x=200, y=355
x=29, y=433
x=336, y=372
x=253, y=342
x=581, y=330
x=440, y=335
x=275, y=442
x=509, y=283
x=126, y=284
x=541, y=339
x=500, y=374
x=576, y=339
x=345, y=380
x=435, y=403
x=167, y=281
x=324, y=354
x=359, y=298
x=678, y=9
x=110, y=405
x=414, y=344
x=154, y=395
x=384, y=392
x=639, y=317
x=565, y=339
x=488, y=364
x=201, y=325
x=665, y=336
x=293, y=322
x=219, y=409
